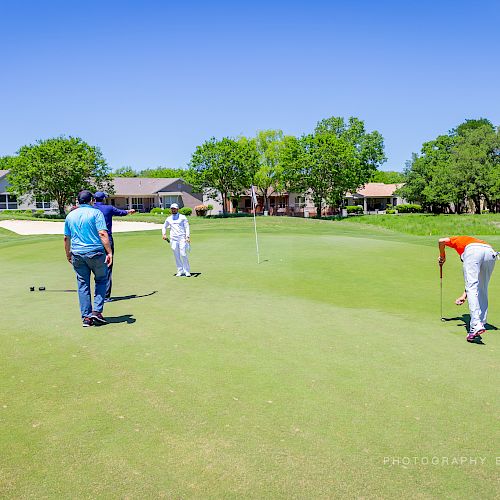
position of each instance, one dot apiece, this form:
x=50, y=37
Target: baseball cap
x=174, y=205
x=100, y=195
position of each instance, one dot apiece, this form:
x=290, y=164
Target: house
x=10, y=201
x=145, y=193
x=375, y=196
x=140, y=193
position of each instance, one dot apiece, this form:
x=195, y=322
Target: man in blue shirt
x=87, y=248
x=109, y=211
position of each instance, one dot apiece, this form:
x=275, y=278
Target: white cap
x=174, y=205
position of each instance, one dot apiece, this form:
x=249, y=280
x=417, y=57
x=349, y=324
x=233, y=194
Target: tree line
x=458, y=171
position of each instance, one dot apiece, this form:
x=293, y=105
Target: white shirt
x=179, y=226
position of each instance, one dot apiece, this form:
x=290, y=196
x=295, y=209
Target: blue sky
x=147, y=81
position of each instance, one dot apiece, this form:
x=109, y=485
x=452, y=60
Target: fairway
x=323, y=372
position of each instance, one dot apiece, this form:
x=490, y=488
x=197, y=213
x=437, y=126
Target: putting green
x=323, y=372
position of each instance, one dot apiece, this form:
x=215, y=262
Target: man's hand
x=441, y=259
x=188, y=239
x=131, y=211
x=109, y=259
x=68, y=256
x=165, y=238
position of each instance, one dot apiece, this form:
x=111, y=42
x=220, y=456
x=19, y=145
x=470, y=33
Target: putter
x=441, y=288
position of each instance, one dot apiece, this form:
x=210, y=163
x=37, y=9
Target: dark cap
x=100, y=195
x=85, y=197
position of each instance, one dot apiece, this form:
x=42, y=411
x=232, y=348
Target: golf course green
x=322, y=372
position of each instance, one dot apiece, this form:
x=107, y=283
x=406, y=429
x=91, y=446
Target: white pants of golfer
x=478, y=263
x=179, y=246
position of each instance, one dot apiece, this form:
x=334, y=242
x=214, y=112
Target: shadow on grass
x=465, y=319
x=133, y=296
x=124, y=318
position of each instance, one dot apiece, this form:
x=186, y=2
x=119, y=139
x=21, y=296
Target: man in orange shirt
x=478, y=259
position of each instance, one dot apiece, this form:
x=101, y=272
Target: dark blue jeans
x=109, y=283
x=84, y=265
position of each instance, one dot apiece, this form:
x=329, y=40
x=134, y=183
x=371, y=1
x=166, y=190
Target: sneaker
x=179, y=274
x=188, y=275
x=87, y=322
x=473, y=336
x=98, y=318
x=108, y=299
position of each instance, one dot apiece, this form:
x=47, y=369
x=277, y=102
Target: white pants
x=178, y=246
x=478, y=262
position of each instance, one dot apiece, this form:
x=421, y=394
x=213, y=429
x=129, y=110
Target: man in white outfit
x=179, y=239
x=478, y=259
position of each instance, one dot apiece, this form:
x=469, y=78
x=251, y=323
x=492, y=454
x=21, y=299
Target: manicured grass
x=426, y=224
x=307, y=376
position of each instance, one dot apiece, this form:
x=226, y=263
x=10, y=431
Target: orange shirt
x=460, y=242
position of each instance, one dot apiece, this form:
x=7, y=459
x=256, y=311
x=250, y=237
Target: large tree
x=224, y=168
x=57, y=169
x=476, y=160
x=323, y=165
x=457, y=169
x=387, y=177
x=339, y=157
x=269, y=176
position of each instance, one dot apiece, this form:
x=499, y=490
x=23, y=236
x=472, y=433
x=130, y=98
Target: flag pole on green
x=254, y=209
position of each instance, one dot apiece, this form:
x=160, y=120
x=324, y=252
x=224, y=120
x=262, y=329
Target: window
x=169, y=199
x=300, y=202
x=137, y=204
x=8, y=202
x=43, y=203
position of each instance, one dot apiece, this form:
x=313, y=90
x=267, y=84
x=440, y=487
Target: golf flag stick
x=254, y=209
x=441, y=287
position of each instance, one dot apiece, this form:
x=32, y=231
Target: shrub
x=390, y=211
x=186, y=211
x=409, y=208
x=201, y=210
x=354, y=209
x=160, y=211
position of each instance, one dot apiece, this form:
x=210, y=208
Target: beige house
x=140, y=193
x=145, y=193
x=375, y=196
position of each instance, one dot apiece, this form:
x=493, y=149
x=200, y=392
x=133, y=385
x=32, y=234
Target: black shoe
x=98, y=318
x=87, y=322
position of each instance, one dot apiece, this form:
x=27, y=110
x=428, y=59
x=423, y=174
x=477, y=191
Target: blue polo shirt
x=82, y=226
x=108, y=211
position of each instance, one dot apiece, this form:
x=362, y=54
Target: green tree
x=57, y=169
x=456, y=169
x=430, y=178
x=323, y=166
x=475, y=161
x=387, y=177
x=224, y=168
x=167, y=173
x=125, y=172
x=269, y=176
x=368, y=146
x=337, y=158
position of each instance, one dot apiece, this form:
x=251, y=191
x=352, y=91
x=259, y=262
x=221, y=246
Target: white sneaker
x=188, y=275
x=179, y=274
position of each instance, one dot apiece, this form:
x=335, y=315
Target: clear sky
x=147, y=81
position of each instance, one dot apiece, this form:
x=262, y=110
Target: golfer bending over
x=87, y=248
x=478, y=259
x=179, y=239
